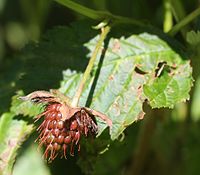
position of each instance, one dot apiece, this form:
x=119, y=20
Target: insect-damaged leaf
x=169, y=89
x=118, y=85
x=123, y=79
x=130, y=65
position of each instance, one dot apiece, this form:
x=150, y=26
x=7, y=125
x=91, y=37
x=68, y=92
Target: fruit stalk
x=104, y=32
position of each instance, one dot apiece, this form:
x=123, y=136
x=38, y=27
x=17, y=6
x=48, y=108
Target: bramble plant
x=115, y=71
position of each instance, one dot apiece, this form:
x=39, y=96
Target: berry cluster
x=63, y=125
x=58, y=135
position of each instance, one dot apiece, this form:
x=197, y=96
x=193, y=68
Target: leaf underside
x=128, y=76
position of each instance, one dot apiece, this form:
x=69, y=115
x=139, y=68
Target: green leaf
x=5, y=121
x=193, y=37
x=31, y=163
x=169, y=89
x=14, y=133
x=121, y=89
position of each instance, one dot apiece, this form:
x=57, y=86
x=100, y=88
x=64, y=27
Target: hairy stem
x=184, y=22
x=86, y=74
x=98, y=15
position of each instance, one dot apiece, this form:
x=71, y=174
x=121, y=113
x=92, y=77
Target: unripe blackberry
x=63, y=126
x=58, y=135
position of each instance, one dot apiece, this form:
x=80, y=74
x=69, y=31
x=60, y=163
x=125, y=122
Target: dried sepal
x=39, y=97
x=99, y=114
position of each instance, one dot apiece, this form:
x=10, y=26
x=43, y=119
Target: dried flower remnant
x=63, y=126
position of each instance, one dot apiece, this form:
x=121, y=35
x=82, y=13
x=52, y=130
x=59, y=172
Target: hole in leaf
x=139, y=71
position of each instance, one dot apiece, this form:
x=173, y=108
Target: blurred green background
x=166, y=141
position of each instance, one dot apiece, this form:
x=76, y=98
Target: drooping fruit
x=63, y=126
x=58, y=136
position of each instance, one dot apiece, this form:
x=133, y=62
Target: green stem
x=178, y=10
x=168, y=19
x=98, y=15
x=179, y=13
x=80, y=9
x=184, y=22
x=90, y=65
